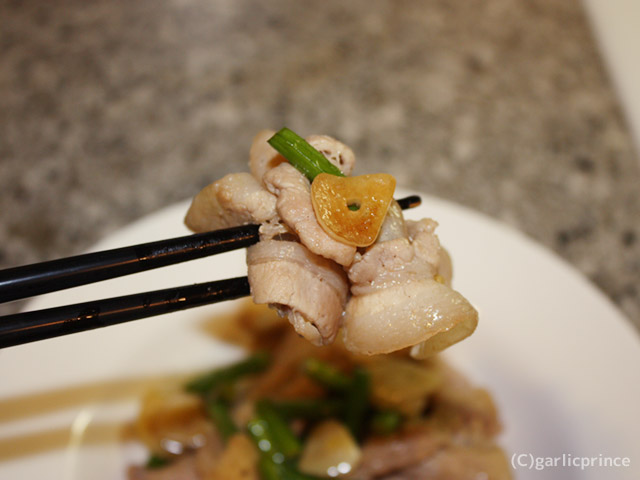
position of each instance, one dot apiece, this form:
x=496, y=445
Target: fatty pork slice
x=400, y=298
x=235, y=199
x=263, y=157
x=308, y=289
x=294, y=207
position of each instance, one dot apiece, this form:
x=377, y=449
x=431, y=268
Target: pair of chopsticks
x=40, y=278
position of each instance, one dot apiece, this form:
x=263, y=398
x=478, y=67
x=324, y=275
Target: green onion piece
x=326, y=375
x=282, y=438
x=309, y=408
x=220, y=377
x=386, y=422
x=357, y=402
x=271, y=433
x=156, y=461
x=218, y=412
x=302, y=155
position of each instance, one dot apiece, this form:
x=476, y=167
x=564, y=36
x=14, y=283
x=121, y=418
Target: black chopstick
x=28, y=327
x=40, y=278
x=412, y=201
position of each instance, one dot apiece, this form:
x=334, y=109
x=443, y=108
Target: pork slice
x=335, y=151
x=295, y=209
x=424, y=240
x=262, y=156
x=387, y=264
x=382, y=456
x=399, y=301
x=310, y=290
x=399, y=259
x=401, y=316
x=235, y=199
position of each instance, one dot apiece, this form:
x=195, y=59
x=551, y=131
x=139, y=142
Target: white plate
x=560, y=360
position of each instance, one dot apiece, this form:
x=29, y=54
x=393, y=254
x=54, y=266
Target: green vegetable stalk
x=218, y=412
x=302, y=155
x=277, y=431
x=357, y=402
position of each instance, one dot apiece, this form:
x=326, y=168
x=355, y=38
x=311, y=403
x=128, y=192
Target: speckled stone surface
x=110, y=110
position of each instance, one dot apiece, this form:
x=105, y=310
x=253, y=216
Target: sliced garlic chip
x=351, y=209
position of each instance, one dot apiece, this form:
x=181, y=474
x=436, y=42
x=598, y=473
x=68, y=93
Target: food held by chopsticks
x=335, y=251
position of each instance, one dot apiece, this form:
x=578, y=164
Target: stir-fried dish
x=354, y=389
x=335, y=252
x=292, y=410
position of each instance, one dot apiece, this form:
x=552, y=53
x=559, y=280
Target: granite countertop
x=110, y=110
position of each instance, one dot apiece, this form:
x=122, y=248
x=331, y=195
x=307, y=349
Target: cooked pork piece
x=334, y=151
x=397, y=301
x=386, y=264
x=310, y=290
x=385, y=455
x=400, y=316
x=404, y=252
x=424, y=240
x=235, y=199
x=295, y=209
x=427, y=246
